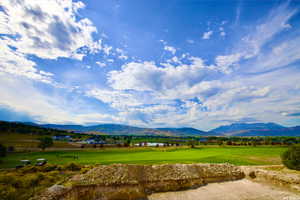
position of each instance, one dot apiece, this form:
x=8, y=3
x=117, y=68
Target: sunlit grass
x=233, y=155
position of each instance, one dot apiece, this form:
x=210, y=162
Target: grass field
x=233, y=155
x=26, y=141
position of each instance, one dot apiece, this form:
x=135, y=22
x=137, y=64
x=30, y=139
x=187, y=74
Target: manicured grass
x=233, y=155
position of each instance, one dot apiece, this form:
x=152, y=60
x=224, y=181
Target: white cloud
x=107, y=49
x=100, y=64
x=207, y=35
x=142, y=93
x=122, y=54
x=282, y=54
x=227, y=62
x=147, y=76
x=175, y=59
x=170, y=49
x=16, y=63
x=274, y=23
x=45, y=107
x=46, y=30
x=117, y=99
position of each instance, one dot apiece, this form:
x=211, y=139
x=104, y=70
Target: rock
x=57, y=189
x=119, y=181
x=54, y=192
x=277, y=178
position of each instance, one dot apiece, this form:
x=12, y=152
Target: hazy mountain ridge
x=246, y=126
x=119, y=129
x=236, y=129
x=184, y=131
x=256, y=129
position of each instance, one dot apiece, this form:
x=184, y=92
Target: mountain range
x=235, y=129
x=119, y=129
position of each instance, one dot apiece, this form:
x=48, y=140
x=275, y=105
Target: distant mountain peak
x=246, y=128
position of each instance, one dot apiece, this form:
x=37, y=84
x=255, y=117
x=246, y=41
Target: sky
x=158, y=63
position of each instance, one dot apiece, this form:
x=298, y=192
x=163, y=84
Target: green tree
x=291, y=157
x=192, y=143
x=45, y=142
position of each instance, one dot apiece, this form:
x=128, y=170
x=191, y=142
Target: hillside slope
x=256, y=129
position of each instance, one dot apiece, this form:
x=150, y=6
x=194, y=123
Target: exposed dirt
x=156, y=182
x=233, y=190
x=277, y=176
x=119, y=181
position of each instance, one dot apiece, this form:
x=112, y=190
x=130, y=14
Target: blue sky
x=196, y=63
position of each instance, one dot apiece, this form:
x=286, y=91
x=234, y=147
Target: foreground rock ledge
x=120, y=181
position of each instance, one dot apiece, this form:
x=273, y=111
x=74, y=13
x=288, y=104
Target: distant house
x=203, y=140
x=62, y=137
x=155, y=144
x=93, y=141
x=149, y=144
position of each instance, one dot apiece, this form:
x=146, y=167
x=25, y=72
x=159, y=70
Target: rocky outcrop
x=119, y=181
x=277, y=178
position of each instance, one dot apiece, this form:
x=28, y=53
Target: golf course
x=240, y=155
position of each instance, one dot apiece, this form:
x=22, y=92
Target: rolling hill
x=119, y=129
x=236, y=129
x=256, y=129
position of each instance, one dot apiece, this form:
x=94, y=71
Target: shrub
x=73, y=167
x=2, y=150
x=48, y=168
x=8, y=180
x=291, y=157
x=29, y=169
x=31, y=180
x=45, y=142
x=8, y=192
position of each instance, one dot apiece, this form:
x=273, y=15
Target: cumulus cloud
x=184, y=88
x=117, y=99
x=207, y=35
x=16, y=63
x=46, y=30
x=170, y=49
x=122, y=54
x=107, y=49
x=100, y=64
x=45, y=107
x=147, y=76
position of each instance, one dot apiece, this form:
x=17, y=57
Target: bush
x=291, y=158
x=45, y=142
x=31, y=180
x=48, y=168
x=8, y=192
x=2, y=150
x=73, y=167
